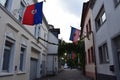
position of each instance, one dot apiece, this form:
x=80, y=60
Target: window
x=45, y=38
x=22, y=7
x=117, y=2
x=37, y=31
x=103, y=53
x=101, y=18
x=7, y=4
x=4, y=2
x=8, y=56
x=88, y=29
x=89, y=23
x=89, y=56
x=22, y=58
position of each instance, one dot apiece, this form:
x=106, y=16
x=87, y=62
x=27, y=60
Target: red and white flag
x=33, y=14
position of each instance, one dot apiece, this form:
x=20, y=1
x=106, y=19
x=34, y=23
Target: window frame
x=24, y=58
x=89, y=23
x=87, y=29
x=103, y=54
x=11, y=63
x=21, y=11
x=99, y=21
x=45, y=38
x=89, y=57
x=116, y=2
x=5, y=3
x=37, y=31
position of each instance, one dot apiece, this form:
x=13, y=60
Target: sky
x=63, y=14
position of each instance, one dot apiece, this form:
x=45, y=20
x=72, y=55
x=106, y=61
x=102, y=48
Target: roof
x=84, y=14
x=92, y=2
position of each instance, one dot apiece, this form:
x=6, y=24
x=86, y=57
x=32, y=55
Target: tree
x=78, y=49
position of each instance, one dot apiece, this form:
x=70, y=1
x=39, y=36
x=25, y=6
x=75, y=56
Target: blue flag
x=74, y=36
x=33, y=14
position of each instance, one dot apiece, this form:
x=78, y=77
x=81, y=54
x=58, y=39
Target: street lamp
x=62, y=58
x=65, y=54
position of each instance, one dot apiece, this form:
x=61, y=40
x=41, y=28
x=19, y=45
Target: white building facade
x=52, y=57
x=23, y=55
x=107, y=38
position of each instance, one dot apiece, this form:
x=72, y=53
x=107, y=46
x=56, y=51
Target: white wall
x=108, y=30
x=31, y=42
x=50, y=63
x=52, y=59
x=52, y=49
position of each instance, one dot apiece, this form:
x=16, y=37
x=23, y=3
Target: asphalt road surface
x=68, y=74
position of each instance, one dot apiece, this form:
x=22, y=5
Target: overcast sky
x=63, y=14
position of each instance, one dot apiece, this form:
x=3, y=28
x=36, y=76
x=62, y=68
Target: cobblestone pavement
x=68, y=74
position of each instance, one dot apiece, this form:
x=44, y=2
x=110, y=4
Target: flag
x=75, y=33
x=70, y=56
x=33, y=14
x=73, y=55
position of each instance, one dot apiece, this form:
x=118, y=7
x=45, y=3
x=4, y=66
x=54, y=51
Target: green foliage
x=78, y=49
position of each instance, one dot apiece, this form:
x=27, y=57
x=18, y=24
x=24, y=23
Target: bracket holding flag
x=86, y=36
x=33, y=14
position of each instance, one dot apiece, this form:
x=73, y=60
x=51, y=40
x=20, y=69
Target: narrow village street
x=59, y=39
x=68, y=74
